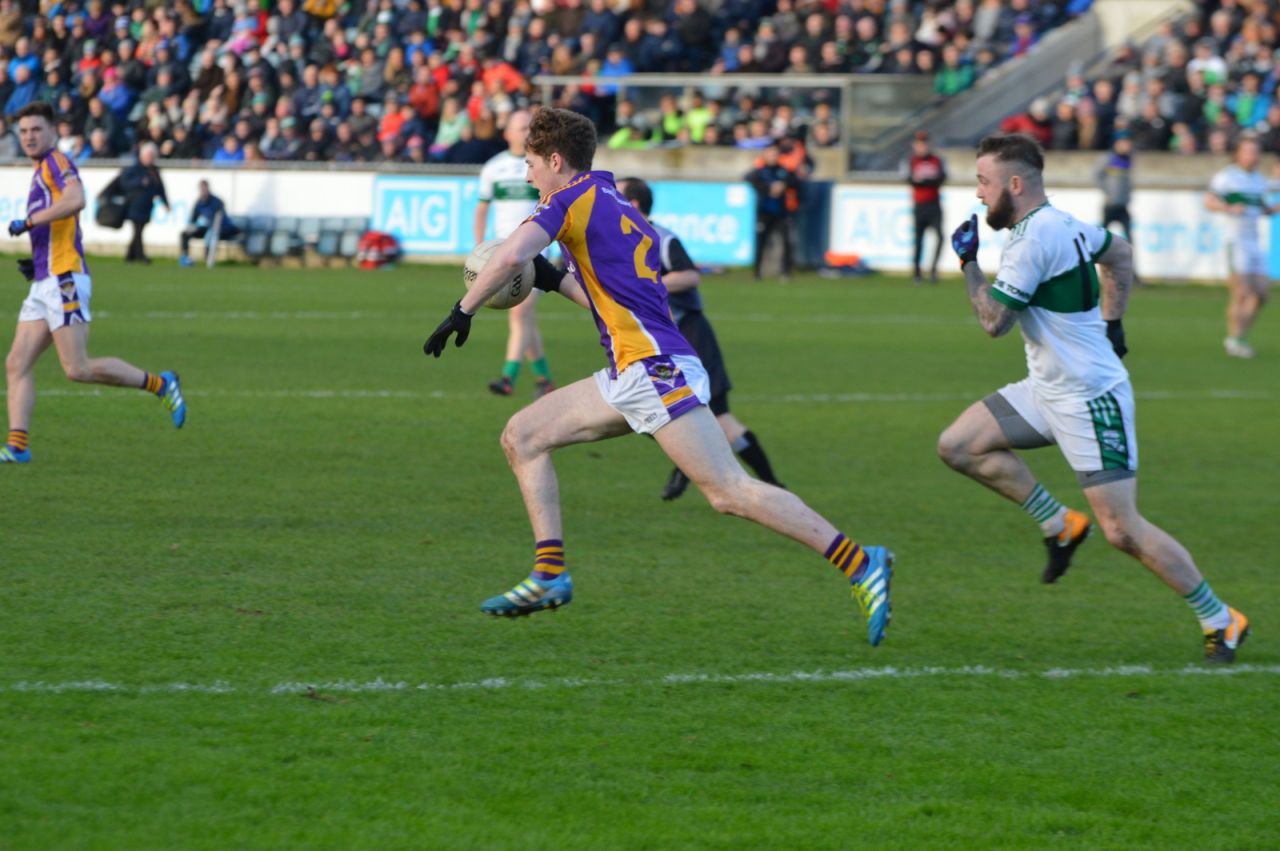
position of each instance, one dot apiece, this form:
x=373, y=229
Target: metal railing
x=866, y=104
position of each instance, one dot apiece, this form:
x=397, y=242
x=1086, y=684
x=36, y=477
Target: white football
x=516, y=288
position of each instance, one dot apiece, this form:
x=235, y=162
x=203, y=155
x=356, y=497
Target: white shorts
x=1246, y=258
x=652, y=392
x=60, y=300
x=1097, y=436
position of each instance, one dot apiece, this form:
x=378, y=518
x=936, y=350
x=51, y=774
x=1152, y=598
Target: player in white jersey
x=503, y=186
x=1077, y=394
x=1239, y=192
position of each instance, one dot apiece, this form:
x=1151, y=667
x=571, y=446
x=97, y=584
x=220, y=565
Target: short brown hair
x=38, y=109
x=1014, y=148
x=559, y=131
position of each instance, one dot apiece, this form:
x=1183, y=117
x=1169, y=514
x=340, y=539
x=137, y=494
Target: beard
x=1000, y=214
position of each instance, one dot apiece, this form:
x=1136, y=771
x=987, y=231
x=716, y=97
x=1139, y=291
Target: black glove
x=458, y=322
x=27, y=267
x=18, y=227
x=1115, y=333
x=546, y=277
x=965, y=240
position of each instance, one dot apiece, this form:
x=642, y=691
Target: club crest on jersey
x=1112, y=439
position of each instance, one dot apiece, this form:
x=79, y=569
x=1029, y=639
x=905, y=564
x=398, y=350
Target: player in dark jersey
x=653, y=384
x=56, y=309
x=680, y=277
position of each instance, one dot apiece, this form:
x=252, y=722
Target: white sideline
x=320, y=687
x=792, y=399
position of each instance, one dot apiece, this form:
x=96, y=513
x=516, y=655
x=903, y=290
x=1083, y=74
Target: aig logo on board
x=425, y=213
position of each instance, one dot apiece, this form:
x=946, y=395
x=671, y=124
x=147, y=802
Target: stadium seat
x=257, y=236
x=329, y=240
x=285, y=241
x=309, y=231
x=353, y=228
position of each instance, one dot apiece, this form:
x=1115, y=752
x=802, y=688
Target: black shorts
x=697, y=330
x=928, y=215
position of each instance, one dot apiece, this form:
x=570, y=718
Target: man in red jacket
x=926, y=172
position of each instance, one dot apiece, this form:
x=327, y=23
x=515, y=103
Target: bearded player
x=1078, y=394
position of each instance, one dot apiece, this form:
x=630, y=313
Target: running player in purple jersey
x=653, y=384
x=57, y=307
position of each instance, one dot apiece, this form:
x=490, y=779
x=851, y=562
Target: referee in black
x=680, y=276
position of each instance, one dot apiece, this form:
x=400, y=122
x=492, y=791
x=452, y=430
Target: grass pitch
x=262, y=631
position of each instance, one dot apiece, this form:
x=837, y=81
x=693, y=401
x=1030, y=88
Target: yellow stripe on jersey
x=627, y=337
x=63, y=256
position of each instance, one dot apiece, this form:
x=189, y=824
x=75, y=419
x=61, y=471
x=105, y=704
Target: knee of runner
x=1119, y=534
x=78, y=371
x=953, y=450
x=13, y=364
x=515, y=439
x=723, y=499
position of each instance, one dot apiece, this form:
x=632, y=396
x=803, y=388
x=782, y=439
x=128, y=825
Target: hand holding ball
x=514, y=290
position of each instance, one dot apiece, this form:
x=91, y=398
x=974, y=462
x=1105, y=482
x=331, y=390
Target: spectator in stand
x=1034, y=122
x=955, y=75
x=24, y=89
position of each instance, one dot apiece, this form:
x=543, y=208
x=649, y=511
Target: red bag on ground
x=377, y=249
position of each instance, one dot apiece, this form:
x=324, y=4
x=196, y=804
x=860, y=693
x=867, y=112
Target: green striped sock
x=1045, y=510
x=540, y=369
x=510, y=369
x=1211, y=611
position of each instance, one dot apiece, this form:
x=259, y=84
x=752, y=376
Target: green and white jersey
x=502, y=183
x=1047, y=274
x=1234, y=185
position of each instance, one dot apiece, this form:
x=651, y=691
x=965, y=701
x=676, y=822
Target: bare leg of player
x=576, y=414
x=731, y=426
x=29, y=342
x=72, y=343
x=525, y=340
x=1116, y=507
x=695, y=442
x=975, y=445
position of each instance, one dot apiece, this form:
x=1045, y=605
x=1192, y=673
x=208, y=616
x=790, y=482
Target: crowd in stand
x=433, y=80
x=1194, y=87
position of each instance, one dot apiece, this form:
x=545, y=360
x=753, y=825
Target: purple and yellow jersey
x=55, y=247
x=614, y=254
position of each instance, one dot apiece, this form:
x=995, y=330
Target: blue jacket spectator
x=24, y=91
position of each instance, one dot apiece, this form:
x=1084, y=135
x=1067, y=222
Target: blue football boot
x=171, y=396
x=530, y=596
x=872, y=592
x=12, y=455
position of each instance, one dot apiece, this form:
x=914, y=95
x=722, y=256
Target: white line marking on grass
x=790, y=399
x=320, y=687
x=495, y=316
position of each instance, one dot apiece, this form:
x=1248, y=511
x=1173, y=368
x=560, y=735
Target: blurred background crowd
x=434, y=80
x=1193, y=87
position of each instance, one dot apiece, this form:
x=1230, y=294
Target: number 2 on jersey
x=642, y=269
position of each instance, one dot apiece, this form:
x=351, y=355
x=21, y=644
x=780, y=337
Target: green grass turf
x=337, y=507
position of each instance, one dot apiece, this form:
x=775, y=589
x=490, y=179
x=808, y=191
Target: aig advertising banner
x=436, y=215
x=1174, y=236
